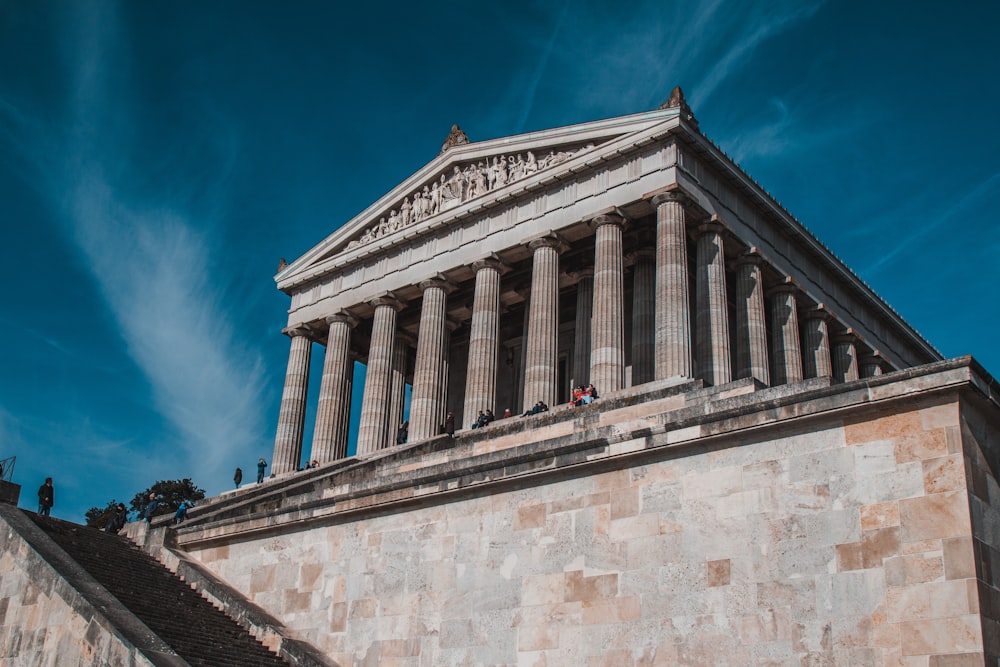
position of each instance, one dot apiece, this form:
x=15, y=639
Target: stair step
x=193, y=627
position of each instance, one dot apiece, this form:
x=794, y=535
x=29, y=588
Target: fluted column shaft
x=581, y=332
x=484, y=334
x=816, y=362
x=751, y=323
x=333, y=409
x=786, y=351
x=397, y=386
x=541, y=355
x=643, y=316
x=426, y=407
x=845, y=358
x=373, y=426
x=607, y=331
x=712, y=312
x=291, y=418
x=673, y=316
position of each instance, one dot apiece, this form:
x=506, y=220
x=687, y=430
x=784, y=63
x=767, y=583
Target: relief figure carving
x=475, y=180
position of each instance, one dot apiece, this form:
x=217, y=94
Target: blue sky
x=157, y=158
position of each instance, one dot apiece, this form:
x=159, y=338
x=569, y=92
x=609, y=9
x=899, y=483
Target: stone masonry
x=814, y=523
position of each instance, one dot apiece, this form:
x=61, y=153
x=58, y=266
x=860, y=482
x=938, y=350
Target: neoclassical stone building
x=779, y=470
x=618, y=253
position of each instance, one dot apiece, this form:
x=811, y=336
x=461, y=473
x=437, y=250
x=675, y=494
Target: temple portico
x=777, y=469
x=632, y=252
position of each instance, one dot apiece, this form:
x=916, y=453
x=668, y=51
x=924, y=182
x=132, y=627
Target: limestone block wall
x=45, y=621
x=981, y=437
x=846, y=538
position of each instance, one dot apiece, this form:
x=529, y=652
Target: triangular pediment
x=470, y=175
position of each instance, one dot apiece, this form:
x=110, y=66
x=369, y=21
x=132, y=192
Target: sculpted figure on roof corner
x=455, y=138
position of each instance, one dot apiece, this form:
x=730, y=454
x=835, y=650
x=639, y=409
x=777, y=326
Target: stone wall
x=44, y=620
x=981, y=438
x=830, y=531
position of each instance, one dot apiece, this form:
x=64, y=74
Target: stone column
x=334, y=407
x=292, y=417
x=542, y=353
x=845, y=357
x=426, y=405
x=785, y=350
x=373, y=426
x=484, y=334
x=712, y=312
x=751, y=323
x=607, y=329
x=871, y=365
x=643, y=316
x=450, y=326
x=581, y=331
x=816, y=361
x=397, y=385
x=673, y=315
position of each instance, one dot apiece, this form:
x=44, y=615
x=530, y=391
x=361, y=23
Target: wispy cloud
x=151, y=257
x=656, y=45
x=937, y=219
x=792, y=129
x=763, y=23
x=539, y=72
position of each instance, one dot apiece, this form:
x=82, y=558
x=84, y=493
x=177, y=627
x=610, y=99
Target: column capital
x=296, y=330
x=606, y=219
x=847, y=336
x=583, y=274
x=641, y=253
x=342, y=316
x=749, y=256
x=439, y=282
x=817, y=312
x=388, y=299
x=710, y=227
x=873, y=358
x=491, y=262
x=784, y=287
x=550, y=240
x=676, y=195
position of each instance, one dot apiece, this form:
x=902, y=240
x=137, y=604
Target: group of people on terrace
x=583, y=395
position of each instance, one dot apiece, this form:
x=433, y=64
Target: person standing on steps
x=151, y=507
x=261, y=466
x=46, y=497
x=238, y=477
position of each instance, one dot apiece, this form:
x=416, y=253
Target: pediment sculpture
x=460, y=185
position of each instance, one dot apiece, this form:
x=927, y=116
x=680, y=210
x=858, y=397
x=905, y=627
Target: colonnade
x=768, y=341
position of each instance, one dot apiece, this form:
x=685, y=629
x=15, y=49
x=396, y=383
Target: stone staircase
x=198, y=632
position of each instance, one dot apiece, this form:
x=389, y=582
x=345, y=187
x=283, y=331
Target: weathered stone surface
x=812, y=526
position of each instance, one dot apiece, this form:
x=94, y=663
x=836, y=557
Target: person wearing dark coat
x=539, y=407
x=238, y=477
x=151, y=507
x=261, y=466
x=46, y=497
x=117, y=520
x=449, y=423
